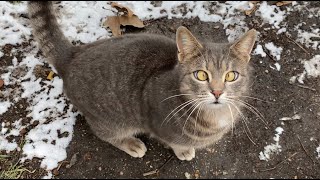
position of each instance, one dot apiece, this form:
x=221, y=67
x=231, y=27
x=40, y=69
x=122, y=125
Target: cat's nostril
x=217, y=93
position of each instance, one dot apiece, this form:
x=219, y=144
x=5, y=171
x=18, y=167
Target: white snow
x=4, y=106
x=318, y=151
x=274, y=50
x=271, y=14
x=311, y=69
x=272, y=148
x=259, y=51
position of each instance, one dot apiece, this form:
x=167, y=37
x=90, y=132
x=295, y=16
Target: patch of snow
x=274, y=50
x=272, y=148
x=271, y=14
x=4, y=106
x=259, y=51
x=311, y=69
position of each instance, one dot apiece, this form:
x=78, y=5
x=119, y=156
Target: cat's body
x=133, y=84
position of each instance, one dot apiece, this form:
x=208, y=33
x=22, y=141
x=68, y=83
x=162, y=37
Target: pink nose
x=217, y=93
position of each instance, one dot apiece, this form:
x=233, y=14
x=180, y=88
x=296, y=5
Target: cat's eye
x=201, y=75
x=232, y=76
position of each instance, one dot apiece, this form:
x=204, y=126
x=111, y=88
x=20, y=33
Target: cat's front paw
x=185, y=154
x=133, y=146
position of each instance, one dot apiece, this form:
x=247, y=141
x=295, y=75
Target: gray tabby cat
x=183, y=93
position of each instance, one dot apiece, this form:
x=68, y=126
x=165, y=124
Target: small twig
x=306, y=87
x=305, y=149
x=298, y=44
x=267, y=52
x=156, y=171
x=269, y=169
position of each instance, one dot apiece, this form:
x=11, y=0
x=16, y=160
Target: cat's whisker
x=195, y=124
x=200, y=103
x=244, y=122
x=251, y=109
x=195, y=107
x=178, y=95
x=185, y=103
x=250, y=97
x=232, y=119
x=189, y=102
x=242, y=116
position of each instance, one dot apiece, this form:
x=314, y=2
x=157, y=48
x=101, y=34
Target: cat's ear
x=188, y=45
x=242, y=48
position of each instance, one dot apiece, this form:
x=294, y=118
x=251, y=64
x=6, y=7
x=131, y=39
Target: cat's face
x=214, y=74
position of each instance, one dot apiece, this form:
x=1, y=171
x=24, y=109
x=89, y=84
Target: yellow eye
x=201, y=75
x=232, y=76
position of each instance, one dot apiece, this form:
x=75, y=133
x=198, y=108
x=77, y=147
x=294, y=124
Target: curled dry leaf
x=128, y=18
x=250, y=11
x=120, y=8
x=282, y=3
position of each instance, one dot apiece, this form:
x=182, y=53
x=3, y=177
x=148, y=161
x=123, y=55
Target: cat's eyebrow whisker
x=252, y=109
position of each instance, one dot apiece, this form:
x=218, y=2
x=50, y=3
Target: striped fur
x=48, y=34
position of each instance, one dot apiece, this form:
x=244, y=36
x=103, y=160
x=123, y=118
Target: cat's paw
x=185, y=154
x=133, y=146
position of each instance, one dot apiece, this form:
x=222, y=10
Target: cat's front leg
x=184, y=153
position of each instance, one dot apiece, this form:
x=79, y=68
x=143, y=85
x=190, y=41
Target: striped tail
x=46, y=31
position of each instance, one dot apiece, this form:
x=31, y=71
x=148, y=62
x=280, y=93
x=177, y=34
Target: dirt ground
x=237, y=154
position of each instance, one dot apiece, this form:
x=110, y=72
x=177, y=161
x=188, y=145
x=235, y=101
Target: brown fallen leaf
x=128, y=18
x=120, y=8
x=50, y=75
x=1, y=83
x=282, y=3
x=250, y=11
x=113, y=23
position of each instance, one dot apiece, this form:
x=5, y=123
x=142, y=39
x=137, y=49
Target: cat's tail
x=46, y=31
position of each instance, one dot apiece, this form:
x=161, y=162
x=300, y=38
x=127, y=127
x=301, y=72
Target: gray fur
x=120, y=84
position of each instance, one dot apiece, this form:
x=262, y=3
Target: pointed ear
x=242, y=48
x=188, y=45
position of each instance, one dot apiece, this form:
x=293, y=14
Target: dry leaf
x=50, y=76
x=250, y=11
x=131, y=21
x=120, y=8
x=282, y=3
x=1, y=83
x=113, y=23
x=127, y=19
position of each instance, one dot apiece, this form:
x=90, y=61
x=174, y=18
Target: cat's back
x=112, y=72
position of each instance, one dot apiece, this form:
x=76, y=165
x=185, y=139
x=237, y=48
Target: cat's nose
x=217, y=93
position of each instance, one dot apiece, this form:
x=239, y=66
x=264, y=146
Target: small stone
x=188, y=176
x=87, y=156
x=121, y=173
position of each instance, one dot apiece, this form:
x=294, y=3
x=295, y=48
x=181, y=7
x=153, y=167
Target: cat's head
x=216, y=74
